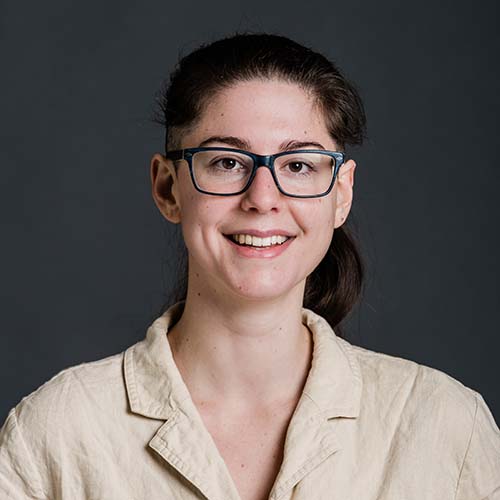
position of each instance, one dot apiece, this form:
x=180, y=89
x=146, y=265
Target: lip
x=262, y=252
x=262, y=234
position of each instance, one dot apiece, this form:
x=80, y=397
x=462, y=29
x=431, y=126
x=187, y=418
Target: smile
x=255, y=241
x=259, y=250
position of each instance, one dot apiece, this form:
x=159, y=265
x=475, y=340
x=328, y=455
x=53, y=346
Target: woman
x=242, y=389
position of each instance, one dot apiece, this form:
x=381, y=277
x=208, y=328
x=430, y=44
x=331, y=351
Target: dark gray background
x=86, y=256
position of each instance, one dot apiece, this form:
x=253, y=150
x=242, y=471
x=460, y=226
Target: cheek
x=321, y=217
x=319, y=226
x=199, y=223
x=192, y=218
x=328, y=210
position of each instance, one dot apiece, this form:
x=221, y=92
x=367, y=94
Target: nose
x=262, y=194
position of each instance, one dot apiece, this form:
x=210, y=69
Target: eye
x=227, y=163
x=300, y=167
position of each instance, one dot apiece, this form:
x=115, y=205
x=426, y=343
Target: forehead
x=264, y=113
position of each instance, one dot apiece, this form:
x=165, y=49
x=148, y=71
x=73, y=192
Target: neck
x=242, y=353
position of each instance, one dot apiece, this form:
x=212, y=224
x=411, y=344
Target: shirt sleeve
x=480, y=474
x=19, y=478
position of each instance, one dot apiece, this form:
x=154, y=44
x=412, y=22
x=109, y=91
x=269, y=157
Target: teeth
x=255, y=241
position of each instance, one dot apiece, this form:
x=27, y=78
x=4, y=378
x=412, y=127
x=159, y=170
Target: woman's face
x=265, y=116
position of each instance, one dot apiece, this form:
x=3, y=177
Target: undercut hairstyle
x=334, y=287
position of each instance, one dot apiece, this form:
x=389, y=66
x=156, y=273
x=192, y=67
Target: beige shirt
x=368, y=426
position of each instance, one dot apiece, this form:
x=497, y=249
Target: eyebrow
x=238, y=143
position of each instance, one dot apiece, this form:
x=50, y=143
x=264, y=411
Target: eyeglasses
x=303, y=173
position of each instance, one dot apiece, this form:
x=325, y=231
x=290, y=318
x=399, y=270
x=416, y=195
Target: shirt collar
x=156, y=389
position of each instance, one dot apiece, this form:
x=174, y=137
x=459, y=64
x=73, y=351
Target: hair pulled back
x=333, y=288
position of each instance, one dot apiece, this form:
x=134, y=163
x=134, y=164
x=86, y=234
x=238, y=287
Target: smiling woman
x=244, y=388
x=261, y=116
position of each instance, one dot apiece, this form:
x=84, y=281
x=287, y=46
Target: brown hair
x=333, y=288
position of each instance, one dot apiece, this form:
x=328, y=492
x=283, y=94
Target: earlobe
x=164, y=188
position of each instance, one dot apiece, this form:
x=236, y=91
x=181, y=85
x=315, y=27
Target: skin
x=240, y=345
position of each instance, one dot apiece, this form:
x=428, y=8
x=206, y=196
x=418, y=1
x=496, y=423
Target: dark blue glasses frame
x=258, y=161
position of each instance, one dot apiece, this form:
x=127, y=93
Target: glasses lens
x=223, y=172
x=227, y=172
x=304, y=173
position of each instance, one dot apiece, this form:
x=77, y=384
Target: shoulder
x=67, y=395
x=426, y=413
x=46, y=427
x=415, y=390
x=71, y=411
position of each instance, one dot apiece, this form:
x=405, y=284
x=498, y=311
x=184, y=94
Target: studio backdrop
x=87, y=259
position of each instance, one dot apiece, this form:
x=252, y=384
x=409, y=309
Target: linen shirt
x=368, y=426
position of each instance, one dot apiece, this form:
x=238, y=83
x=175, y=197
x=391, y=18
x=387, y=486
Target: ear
x=344, y=184
x=165, y=188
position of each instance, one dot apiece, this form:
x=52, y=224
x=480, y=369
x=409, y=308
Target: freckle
x=197, y=275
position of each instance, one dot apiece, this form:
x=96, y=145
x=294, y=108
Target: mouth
x=258, y=243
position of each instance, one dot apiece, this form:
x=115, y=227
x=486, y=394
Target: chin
x=260, y=287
